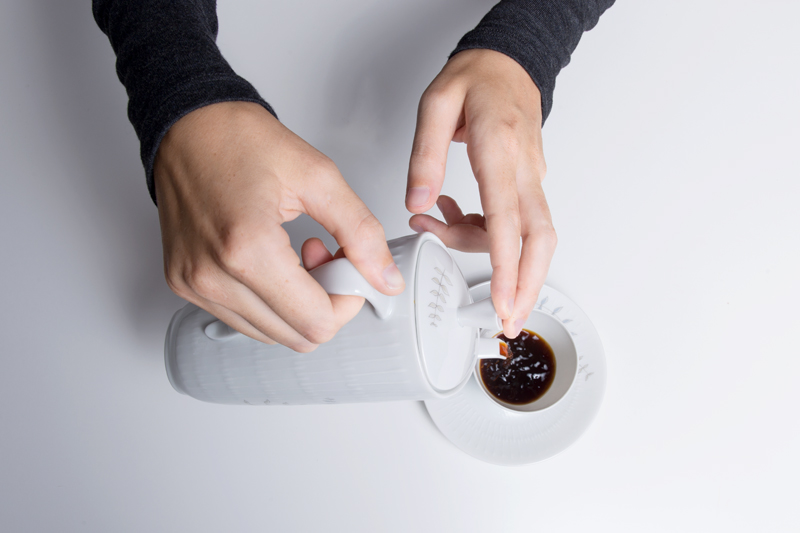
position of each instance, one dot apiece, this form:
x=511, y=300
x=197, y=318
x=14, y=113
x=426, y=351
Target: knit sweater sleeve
x=169, y=63
x=539, y=34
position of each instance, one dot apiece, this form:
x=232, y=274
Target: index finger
x=437, y=121
x=495, y=168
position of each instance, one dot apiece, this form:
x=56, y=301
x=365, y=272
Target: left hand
x=488, y=101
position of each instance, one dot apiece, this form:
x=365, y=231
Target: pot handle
x=336, y=277
x=341, y=277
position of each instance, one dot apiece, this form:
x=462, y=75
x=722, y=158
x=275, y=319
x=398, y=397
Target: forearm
x=169, y=63
x=539, y=34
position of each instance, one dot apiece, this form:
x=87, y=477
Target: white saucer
x=491, y=433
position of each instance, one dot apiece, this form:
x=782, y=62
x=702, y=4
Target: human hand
x=227, y=176
x=488, y=101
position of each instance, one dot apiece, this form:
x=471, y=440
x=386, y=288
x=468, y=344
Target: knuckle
x=178, y=287
x=231, y=250
x=369, y=229
x=327, y=165
x=435, y=97
x=235, y=251
x=548, y=236
x=302, y=347
x=324, y=167
x=516, y=221
x=507, y=219
x=425, y=152
x=509, y=139
x=203, y=282
x=502, y=135
x=319, y=332
x=266, y=340
x=509, y=126
x=175, y=281
x=539, y=166
x=324, y=175
x=316, y=170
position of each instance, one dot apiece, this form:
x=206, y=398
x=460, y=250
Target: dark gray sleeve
x=169, y=63
x=539, y=34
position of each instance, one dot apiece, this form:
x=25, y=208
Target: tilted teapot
x=420, y=344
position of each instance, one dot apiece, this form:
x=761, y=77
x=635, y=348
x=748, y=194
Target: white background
x=674, y=185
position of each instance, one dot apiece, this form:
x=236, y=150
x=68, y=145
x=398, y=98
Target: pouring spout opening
x=490, y=348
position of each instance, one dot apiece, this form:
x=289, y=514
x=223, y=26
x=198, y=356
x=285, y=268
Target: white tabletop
x=673, y=181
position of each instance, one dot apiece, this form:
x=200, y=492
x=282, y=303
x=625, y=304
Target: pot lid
x=447, y=349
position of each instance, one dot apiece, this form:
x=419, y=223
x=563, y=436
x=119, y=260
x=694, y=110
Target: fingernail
x=510, y=306
x=416, y=228
x=510, y=332
x=393, y=277
x=518, y=325
x=417, y=196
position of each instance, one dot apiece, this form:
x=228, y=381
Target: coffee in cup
x=540, y=368
x=526, y=373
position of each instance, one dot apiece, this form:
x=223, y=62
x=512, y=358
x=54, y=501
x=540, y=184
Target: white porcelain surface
x=490, y=432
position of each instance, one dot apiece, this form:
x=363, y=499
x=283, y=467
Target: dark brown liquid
x=525, y=374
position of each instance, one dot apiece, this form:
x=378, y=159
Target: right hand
x=227, y=176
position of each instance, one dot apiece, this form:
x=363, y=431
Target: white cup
x=550, y=329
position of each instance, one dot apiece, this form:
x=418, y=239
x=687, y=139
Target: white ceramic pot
x=421, y=344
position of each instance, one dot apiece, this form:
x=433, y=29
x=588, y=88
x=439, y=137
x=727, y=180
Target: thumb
x=437, y=121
